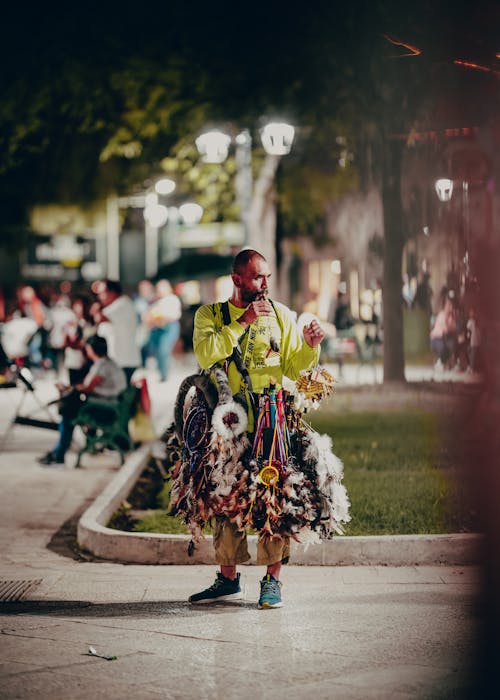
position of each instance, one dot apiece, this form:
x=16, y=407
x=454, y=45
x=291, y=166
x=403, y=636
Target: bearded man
x=271, y=348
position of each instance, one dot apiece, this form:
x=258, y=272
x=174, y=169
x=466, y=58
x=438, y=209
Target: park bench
x=104, y=422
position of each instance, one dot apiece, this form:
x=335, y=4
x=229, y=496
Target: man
x=163, y=320
x=104, y=379
x=271, y=348
x=142, y=301
x=117, y=319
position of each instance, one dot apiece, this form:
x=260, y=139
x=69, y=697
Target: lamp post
x=156, y=215
x=444, y=190
x=213, y=146
x=113, y=206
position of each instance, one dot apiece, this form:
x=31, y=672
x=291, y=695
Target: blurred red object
x=144, y=398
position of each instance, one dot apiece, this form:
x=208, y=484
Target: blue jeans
x=65, y=437
x=161, y=342
x=444, y=347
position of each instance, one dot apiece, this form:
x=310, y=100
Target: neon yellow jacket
x=214, y=342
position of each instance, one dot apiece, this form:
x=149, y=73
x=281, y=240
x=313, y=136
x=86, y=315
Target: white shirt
x=121, y=331
x=168, y=308
x=16, y=335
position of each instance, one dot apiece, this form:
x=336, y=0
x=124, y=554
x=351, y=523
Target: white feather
x=307, y=537
x=232, y=429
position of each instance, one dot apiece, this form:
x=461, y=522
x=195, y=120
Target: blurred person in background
x=407, y=291
x=443, y=335
x=474, y=340
x=16, y=335
x=342, y=319
x=61, y=316
x=423, y=294
x=31, y=306
x=143, y=300
x=76, y=362
x=117, y=322
x=104, y=379
x=163, y=320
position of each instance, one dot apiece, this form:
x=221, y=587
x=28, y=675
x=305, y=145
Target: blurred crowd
x=48, y=328
x=454, y=318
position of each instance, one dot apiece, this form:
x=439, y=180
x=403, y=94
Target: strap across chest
x=241, y=361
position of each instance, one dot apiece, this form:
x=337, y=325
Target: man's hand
x=313, y=334
x=254, y=310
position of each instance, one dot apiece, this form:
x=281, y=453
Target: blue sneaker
x=222, y=589
x=270, y=593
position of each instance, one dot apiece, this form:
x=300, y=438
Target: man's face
x=253, y=280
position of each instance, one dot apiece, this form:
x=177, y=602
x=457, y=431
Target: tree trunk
x=393, y=253
x=262, y=217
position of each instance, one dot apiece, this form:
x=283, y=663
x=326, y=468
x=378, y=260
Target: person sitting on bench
x=105, y=379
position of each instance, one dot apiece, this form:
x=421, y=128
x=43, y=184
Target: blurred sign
x=53, y=257
x=211, y=235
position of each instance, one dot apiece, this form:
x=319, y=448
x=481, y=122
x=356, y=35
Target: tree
x=116, y=111
x=400, y=77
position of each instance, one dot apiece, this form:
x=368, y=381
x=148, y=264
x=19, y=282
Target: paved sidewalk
x=353, y=632
x=344, y=632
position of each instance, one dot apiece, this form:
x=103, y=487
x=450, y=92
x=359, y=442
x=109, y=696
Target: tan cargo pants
x=231, y=546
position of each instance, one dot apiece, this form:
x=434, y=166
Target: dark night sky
x=251, y=55
x=246, y=34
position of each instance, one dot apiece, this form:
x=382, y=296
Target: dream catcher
x=294, y=488
x=287, y=483
x=213, y=442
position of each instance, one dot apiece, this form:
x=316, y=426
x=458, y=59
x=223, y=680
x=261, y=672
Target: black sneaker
x=50, y=458
x=222, y=589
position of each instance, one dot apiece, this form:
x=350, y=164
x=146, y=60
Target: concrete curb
x=146, y=548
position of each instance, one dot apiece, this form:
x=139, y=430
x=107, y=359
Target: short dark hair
x=113, y=286
x=98, y=345
x=243, y=258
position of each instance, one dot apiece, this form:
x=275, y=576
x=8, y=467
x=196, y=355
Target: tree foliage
x=94, y=100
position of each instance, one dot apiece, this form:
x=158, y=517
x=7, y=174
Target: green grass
x=399, y=477
x=159, y=520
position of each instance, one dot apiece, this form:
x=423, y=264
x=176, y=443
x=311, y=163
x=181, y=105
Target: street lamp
x=156, y=216
x=164, y=186
x=444, y=190
x=213, y=146
x=277, y=138
x=190, y=213
x=155, y=213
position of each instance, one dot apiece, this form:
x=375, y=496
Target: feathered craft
x=287, y=483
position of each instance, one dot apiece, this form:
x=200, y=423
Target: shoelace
x=270, y=587
x=216, y=584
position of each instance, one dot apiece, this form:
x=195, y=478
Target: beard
x=248, y=296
